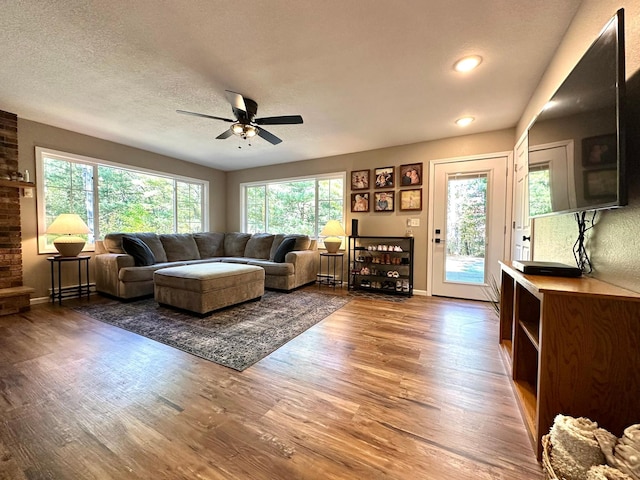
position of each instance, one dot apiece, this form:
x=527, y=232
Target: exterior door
x=468, y=226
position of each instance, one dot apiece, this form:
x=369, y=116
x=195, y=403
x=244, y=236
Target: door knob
x=525, y=238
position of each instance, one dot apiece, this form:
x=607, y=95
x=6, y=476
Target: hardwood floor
x=378, y=390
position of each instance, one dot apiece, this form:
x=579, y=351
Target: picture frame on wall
x=601, y=184
x=360, y=202
x=411, y=200
x=384, y=177
x=383, y=201
x=599, y=151
x=410, y=175
x=360, y=179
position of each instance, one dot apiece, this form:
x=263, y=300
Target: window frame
x=41, y=153
x=325, y=176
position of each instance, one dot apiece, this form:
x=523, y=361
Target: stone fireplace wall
x=11, y=298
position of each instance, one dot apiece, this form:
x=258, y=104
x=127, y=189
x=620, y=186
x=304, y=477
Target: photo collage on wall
x=384, y=181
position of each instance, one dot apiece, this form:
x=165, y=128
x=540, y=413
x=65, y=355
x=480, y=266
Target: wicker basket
x=546, y=458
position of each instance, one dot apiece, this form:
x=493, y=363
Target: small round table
x=331, y=278
x=61, y=292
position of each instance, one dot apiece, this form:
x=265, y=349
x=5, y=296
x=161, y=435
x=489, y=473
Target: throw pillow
x=285, y=247
x=141, y=253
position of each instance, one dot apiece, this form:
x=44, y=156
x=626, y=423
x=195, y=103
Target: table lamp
x=332, y=230
x=67, y=225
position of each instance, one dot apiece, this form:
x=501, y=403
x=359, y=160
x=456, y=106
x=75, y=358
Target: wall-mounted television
x=577, y=142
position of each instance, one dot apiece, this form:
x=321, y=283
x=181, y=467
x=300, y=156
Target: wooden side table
x=331, y=278
x=59, y=292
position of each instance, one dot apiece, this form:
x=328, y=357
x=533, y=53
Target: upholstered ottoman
x=204, y=287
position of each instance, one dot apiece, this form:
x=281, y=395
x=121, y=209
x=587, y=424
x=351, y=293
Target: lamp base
x=69, y=246
x=332, y=245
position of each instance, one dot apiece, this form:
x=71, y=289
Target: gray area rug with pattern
x=235, y=337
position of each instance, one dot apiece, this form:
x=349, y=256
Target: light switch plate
x=415, y=222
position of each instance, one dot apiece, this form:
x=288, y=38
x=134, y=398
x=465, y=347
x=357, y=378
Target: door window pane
x=466, y=228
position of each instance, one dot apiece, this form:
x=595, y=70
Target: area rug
x=236, y=337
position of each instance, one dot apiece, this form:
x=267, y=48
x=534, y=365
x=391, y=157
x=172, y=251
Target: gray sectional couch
x=117, y=275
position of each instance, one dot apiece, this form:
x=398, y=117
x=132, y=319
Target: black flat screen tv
x=577, y=143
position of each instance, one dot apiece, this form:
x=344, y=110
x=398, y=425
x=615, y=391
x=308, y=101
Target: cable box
x=546, y=268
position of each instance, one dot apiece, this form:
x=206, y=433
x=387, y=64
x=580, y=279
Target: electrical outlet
x=415, y=222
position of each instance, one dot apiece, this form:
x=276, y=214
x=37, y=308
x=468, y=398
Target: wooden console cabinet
x=572, y=346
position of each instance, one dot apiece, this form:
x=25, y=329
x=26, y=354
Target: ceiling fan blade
x=205, y=116
x=226, y=134
x=268, y=136
x=282, y=120
x=236, y=100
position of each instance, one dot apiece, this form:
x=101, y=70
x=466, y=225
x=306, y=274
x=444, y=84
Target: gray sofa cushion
x=286, y=246
x=141, y=253
x=235, y=243
x=153, y=242
x=303, y=242
x=180, y=246
x=142, y=274
x=259, y=246
x=277, y=240
x=113, y=244
x=210, y=244
x=272, y=268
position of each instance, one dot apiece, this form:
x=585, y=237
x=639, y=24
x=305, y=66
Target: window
x=301, y=205
x=111, y=197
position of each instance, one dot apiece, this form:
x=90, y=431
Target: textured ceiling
x=363, y=74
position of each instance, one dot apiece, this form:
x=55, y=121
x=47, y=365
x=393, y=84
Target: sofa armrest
x=305, y=263
x=107, y=268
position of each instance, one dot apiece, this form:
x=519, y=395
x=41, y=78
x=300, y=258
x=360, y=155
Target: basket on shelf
x=546, y=459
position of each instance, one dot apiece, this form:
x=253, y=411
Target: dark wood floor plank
x=378, y=390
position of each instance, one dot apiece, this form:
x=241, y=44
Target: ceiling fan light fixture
x=466, y=64
x=250, y=131
x=244, y=130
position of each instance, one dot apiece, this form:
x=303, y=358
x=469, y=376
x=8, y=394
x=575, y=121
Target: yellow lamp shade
x=68, y=225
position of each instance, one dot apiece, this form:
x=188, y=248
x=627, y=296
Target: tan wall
x=31, y=134
x=614, y=244
x=376, y=223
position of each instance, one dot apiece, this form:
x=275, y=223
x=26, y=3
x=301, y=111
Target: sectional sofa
x=289, y=261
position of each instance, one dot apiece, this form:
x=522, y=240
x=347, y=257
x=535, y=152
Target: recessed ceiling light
x=467, y=64
x=464, y=121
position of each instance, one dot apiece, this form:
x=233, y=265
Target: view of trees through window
x=539, y=190
x=115, y=199
x=466, y=216
x=294, y=206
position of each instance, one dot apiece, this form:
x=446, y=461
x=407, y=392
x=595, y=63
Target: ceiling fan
x=245, y=125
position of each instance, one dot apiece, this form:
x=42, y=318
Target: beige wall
x=32, y=134
x=373, y=223
x=614, y=244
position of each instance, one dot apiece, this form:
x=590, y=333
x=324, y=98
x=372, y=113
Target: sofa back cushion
x=113, y=244
x=141, y=253
x=153, y=242
x=287, y=245
x=210, y=244
x=302, y=242
x=235, y=243
x=180, y=246
x=259, y=246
